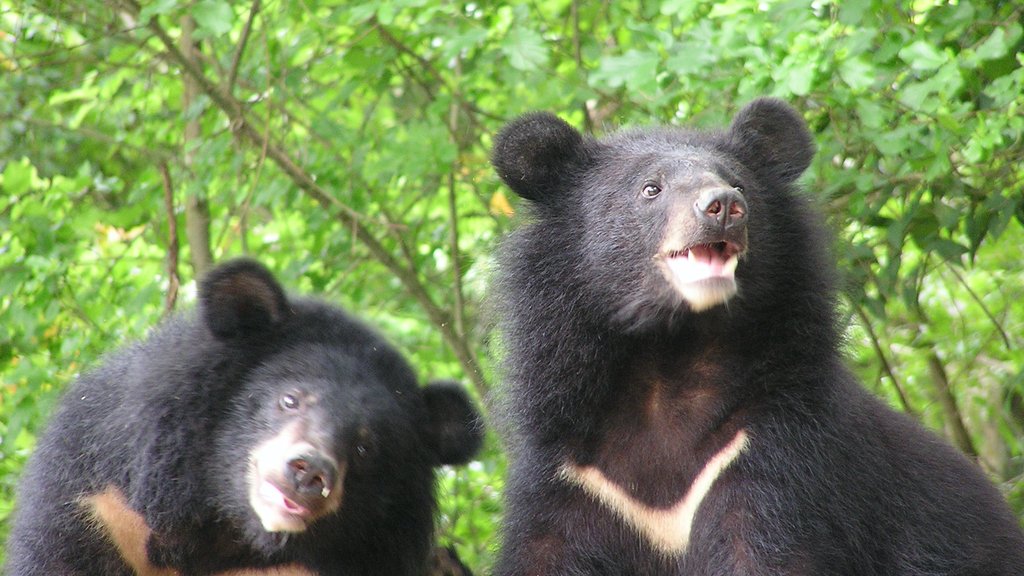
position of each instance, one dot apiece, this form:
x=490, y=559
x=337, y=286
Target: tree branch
x=984, y=309
x=343, y=213
x=940, y=379
x=577, y=55
x=453, y=216
x=954, y=420
x=886, y=366
x=154, y=154
x=427, y=66
x=197, y=210
x=237, y=60
x=173, y=279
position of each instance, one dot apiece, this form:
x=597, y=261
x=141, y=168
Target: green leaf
x=729, y=8
x=156, y=8
x=213, y=17
x=690, y=58
x=17, y=177
x=798, y=76
x=681, y=9
x=999, y=43
x=386, y=13
x=634, y=69
x=914, y=95
x=525, y=49
x=1002, y=207
x=81, y=93
x=893, y=142
x=464, y=41
x=947, y=216
x=948, y=249
x=852, y=12
x=358, y=14
x=945, y=83
x=80, y=113
x=858, y=74
x=1005, y=89
x=871, y=114
x=923, y=56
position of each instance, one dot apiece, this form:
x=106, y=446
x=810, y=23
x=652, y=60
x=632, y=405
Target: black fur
x=607, y=366
x=170, y=422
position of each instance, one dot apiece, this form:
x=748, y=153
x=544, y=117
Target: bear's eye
x=738, y=189
x=364, y=444
x=365, y=451
x=289, y=402
x=650, y=190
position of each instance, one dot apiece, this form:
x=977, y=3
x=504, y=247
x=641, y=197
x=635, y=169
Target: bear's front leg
x=550, y=525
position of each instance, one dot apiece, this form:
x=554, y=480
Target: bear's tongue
x=703, y=262
x=275, y=496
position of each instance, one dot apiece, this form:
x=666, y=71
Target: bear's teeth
x=729, y=269
x=701, y=263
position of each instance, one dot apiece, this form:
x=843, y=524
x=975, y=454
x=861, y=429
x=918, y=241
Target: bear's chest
x=658, y=449
x=653, y=440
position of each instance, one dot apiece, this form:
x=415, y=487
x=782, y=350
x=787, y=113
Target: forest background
x=345, y=144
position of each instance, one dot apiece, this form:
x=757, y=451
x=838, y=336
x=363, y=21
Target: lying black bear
x=675, y=392
x=260, y=431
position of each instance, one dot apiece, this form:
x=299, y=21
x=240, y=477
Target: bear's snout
x=311, y=475
x=292, y=483
x=721, y=209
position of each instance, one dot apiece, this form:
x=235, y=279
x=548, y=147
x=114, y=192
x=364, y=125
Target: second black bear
x=676, y=397
x=261, y=431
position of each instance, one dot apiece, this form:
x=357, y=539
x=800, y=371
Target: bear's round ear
x=533, y=153
x=772, y=139
x=456, y=429
x=240, y=298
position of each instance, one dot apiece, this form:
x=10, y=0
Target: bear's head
x=329, y=432
x=653, y=225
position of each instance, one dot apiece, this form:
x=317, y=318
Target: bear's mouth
x=703, y=261
x=278, y=498
x=703, y=274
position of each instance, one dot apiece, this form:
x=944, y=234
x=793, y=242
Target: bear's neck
x=658, y=407
x=679, y=386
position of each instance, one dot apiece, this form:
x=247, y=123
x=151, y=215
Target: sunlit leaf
x=525, y=49
x=999, y=42
x=922, y=55
x=213, y=17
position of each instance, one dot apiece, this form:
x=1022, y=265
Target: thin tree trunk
x=954, y=420
x=173, y=279
x=197, y=210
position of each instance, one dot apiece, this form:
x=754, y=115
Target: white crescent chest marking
x=668, y=530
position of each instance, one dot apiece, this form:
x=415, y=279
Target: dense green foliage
x=345, y=144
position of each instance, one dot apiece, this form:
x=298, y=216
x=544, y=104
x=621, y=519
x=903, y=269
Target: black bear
x=675, y=396
x=260, y=431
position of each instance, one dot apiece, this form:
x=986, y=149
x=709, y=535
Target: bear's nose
x=312, y=475
x=721, y=208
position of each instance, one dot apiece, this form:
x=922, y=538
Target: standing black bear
x=675, y=394
x=261, y=431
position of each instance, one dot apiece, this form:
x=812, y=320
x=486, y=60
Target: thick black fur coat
x=674, y=391
x=258, y=431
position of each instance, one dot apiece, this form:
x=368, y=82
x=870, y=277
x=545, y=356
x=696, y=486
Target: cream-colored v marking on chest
x=667, y=530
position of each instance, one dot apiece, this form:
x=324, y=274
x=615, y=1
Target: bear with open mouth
x=674, y=395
